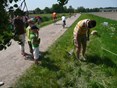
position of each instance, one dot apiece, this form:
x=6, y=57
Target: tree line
x=63, y=9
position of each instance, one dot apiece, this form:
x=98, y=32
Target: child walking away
x=35, y=41
x=64, y=21
x=54, y=16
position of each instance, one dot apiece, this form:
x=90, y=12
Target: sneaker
x=24, y=54
x=84, y=58
x=78, y=58
x=1, y=83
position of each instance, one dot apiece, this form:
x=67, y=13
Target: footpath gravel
x=13, y=65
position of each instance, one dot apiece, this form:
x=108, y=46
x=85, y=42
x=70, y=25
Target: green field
x=58, y=70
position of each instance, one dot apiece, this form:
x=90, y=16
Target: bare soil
x=110, y=15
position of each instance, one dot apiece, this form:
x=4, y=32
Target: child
x=64, y=21
x=31, y=22
x=81, y=35
x=54, y=16
x=20, y=32
x=35, y=41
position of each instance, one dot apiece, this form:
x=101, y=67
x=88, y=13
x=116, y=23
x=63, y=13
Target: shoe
x=83, y=58
x=78, y=58
x=1, y=83
x=24, y=54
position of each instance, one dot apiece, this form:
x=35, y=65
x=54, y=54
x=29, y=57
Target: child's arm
x=37, y=33
x=88, y=34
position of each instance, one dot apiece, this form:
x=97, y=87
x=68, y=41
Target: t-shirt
x=54, y=15
x=34, y=37
x=34, y=40
x=28, y=31
x=63, y=18
x=81, y=28
x=19, y=26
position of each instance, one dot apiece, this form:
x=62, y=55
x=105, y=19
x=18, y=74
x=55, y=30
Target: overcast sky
x=32, y=4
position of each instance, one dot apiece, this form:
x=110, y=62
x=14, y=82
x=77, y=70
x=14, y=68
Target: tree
x=62, y=2
x=56, y=8
x=5, y=29
x=71, y=9
x=47, y=10
x=65, y=9
x=38, y=10
x=81, y=9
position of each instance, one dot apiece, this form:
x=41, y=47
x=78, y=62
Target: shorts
x=22, y=38
x=64, y=22
x=81, y=39
x=54, y=18
x=36, y=53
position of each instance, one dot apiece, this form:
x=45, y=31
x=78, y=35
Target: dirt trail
x=12, y=64
x=110, y=15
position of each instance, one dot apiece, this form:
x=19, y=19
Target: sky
x=33, y=4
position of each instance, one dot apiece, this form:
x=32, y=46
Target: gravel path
x=12, y=64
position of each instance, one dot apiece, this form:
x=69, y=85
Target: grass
x=58, y=70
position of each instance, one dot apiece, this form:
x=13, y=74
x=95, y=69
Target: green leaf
x=62, y=2
x=11, y=8
x=10, y=1
x=15, y=0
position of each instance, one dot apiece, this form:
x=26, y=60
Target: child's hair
x=34, y=27
x=91, y=24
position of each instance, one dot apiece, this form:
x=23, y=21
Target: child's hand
x=36, y=41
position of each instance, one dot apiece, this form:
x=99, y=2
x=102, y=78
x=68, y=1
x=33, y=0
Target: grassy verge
x=58, y=70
